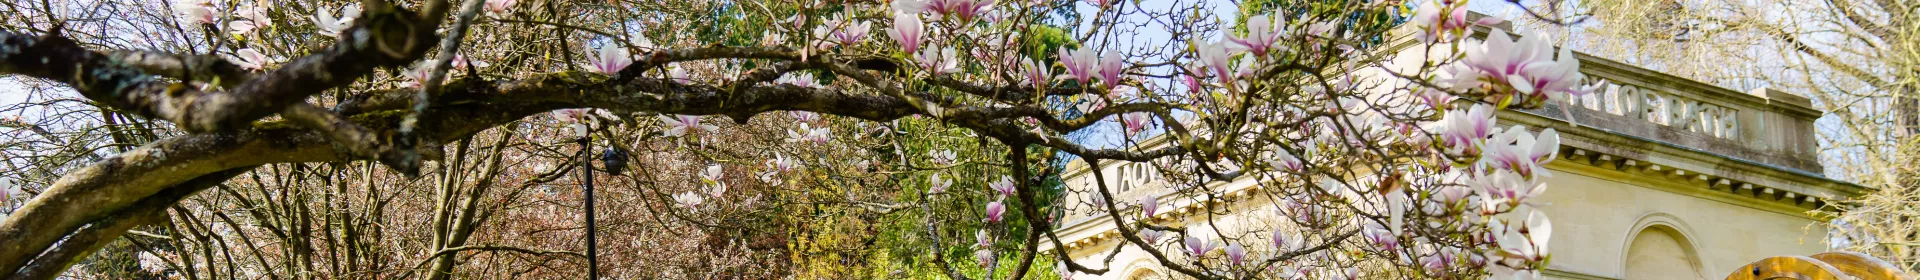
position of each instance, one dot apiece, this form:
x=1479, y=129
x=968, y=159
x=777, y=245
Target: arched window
x=1144, y=274
x=1660, y=252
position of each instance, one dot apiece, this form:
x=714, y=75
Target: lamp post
x=586, y=173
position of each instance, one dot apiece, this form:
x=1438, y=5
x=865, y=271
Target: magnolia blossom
x=852, y=33
x=461, y=62
x=941, y=157
x=1396, y=200
x=938, y=185
x=1465, y=131
x=938, y=61
x=8, y=190
x=1079, y=63
x=1285, y=160
x=1524, y=69
x=907, y=30
x=1111, y=66
x=240, y=27
x=1321, y=29
x=608, y=60
x=910, y=6
x=782, y=163
x=1004, y=186
x=1149, y=206
x=570, y=114
x=982, y=239
x=995, y=210
x=255, y=14
x=1380, y=237
x=809, y=134
x=984, y=256
x=499, y=7
x=417, y=75
x=963, y=9
x=1504, y=188
x=689, y=200
x=331, y=26
x=677, y=74
x=1526, y=242
x=1199, y=246
x=1521, y=152
x=1036, y=73
x=711, y=176
x=799, y=80
x=1452, y=194
x=1434, y=23
x=1217, y=57
x=250, y=59
x=678, y=125
x=1236, y=253
x=1285, y=243
x=195, y=11
x=1151, y=235
x=1135, y=122
x=804, y=116
x=1260, y=36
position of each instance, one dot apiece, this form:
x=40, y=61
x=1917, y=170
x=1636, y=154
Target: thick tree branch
x=99, y=233
x=467, y=107
x=377, y=40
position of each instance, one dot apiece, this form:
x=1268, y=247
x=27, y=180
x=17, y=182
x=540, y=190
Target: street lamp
x=580, y=131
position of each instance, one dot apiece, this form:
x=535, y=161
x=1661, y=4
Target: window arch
x=1660, y=247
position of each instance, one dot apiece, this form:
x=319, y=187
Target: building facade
x=1661, y=178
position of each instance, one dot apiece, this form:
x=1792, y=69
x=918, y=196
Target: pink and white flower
x=500, y=7
x=1217, y=57
x=938, y=62
x=1135, y=122
x=1199, y=246
x=799, y=80
x=1464, y=132
x=938, y=185
x=1436, y=20
x=1236, y=253
x=678, y=125
x=1004, y=186
x=1080, y=64
x=1037, y=74
x=941, y=157
x=910, y=6
x=809, y=134
x=907, y=29
x=196, y=12
x=689, y=200
x=1526, y=242
x=240, y=27
x=1149, y=206
x=995, y=211
x=965, y=10
x=330, y=26
x=1112, y=65
x=608, y=60
x=1260, y=36
x=1151, y=235
x=250, y=59
x=255, y=14
x=1285, y=160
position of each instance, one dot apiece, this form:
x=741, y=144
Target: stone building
x=1663, y=178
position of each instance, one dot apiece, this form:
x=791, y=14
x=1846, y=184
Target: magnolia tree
x=1371, y=123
